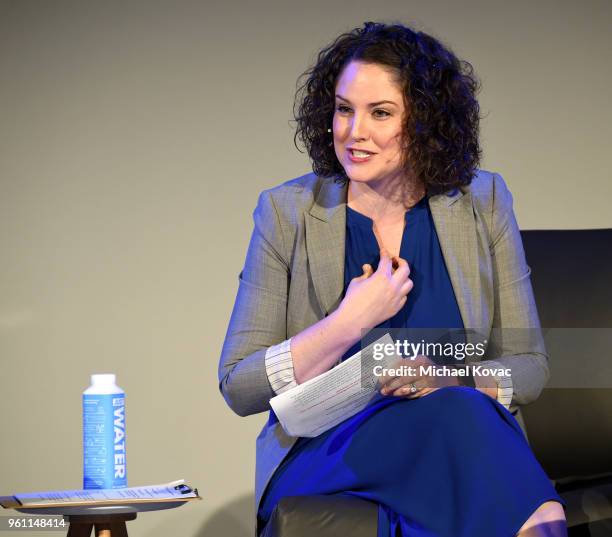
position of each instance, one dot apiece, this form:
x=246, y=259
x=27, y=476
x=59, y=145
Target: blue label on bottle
x=104, y=462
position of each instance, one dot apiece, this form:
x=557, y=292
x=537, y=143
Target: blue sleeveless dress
x=453, y=463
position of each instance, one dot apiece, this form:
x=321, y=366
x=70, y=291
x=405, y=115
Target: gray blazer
x=293, y=276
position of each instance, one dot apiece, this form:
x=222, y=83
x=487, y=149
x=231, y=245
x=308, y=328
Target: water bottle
x=104, y=462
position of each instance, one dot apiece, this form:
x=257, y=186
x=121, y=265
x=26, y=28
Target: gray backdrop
x=134, y=139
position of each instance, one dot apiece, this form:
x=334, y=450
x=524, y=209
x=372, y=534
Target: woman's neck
x=384, y=203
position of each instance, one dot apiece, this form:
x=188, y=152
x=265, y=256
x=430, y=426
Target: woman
x=395, y=228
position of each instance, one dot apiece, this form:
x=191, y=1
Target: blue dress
x=453, y=463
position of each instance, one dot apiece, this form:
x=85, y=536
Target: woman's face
x=369, y=115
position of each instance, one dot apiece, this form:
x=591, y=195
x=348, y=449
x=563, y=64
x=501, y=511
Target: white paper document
x=323, y=402
x=167, y=491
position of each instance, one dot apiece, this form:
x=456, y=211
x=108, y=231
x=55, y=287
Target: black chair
x=569, y=429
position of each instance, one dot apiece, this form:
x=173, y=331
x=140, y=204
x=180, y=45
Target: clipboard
x=168, y=493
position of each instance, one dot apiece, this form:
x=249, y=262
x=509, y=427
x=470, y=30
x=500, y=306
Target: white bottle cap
x=105, y=379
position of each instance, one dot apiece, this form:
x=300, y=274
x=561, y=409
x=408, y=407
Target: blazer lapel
x=453, y=217
x=325, y=238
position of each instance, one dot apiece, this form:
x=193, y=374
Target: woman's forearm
x=317, y=348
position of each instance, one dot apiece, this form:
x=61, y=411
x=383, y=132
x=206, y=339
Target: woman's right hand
x=377, y=296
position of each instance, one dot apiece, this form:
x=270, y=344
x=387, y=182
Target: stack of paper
x=323, y=402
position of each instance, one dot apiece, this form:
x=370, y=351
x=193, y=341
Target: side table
x=107, y=520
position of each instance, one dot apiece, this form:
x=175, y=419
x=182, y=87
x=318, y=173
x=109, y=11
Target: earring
x=328, y=130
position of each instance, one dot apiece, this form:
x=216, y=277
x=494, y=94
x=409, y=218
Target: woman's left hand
x=417, y=385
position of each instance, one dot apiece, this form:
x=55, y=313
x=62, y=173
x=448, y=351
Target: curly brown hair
x=442, y=123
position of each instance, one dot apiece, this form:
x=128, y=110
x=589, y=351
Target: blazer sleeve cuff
x=279, y=367
x=505, y=387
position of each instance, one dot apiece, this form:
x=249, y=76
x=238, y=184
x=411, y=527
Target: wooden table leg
x=77, y=529
x=118, y=529
x=105, y=525
x=103, y=530
x=113, y=529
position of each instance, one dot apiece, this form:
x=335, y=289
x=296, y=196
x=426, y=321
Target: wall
x=134, y=139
